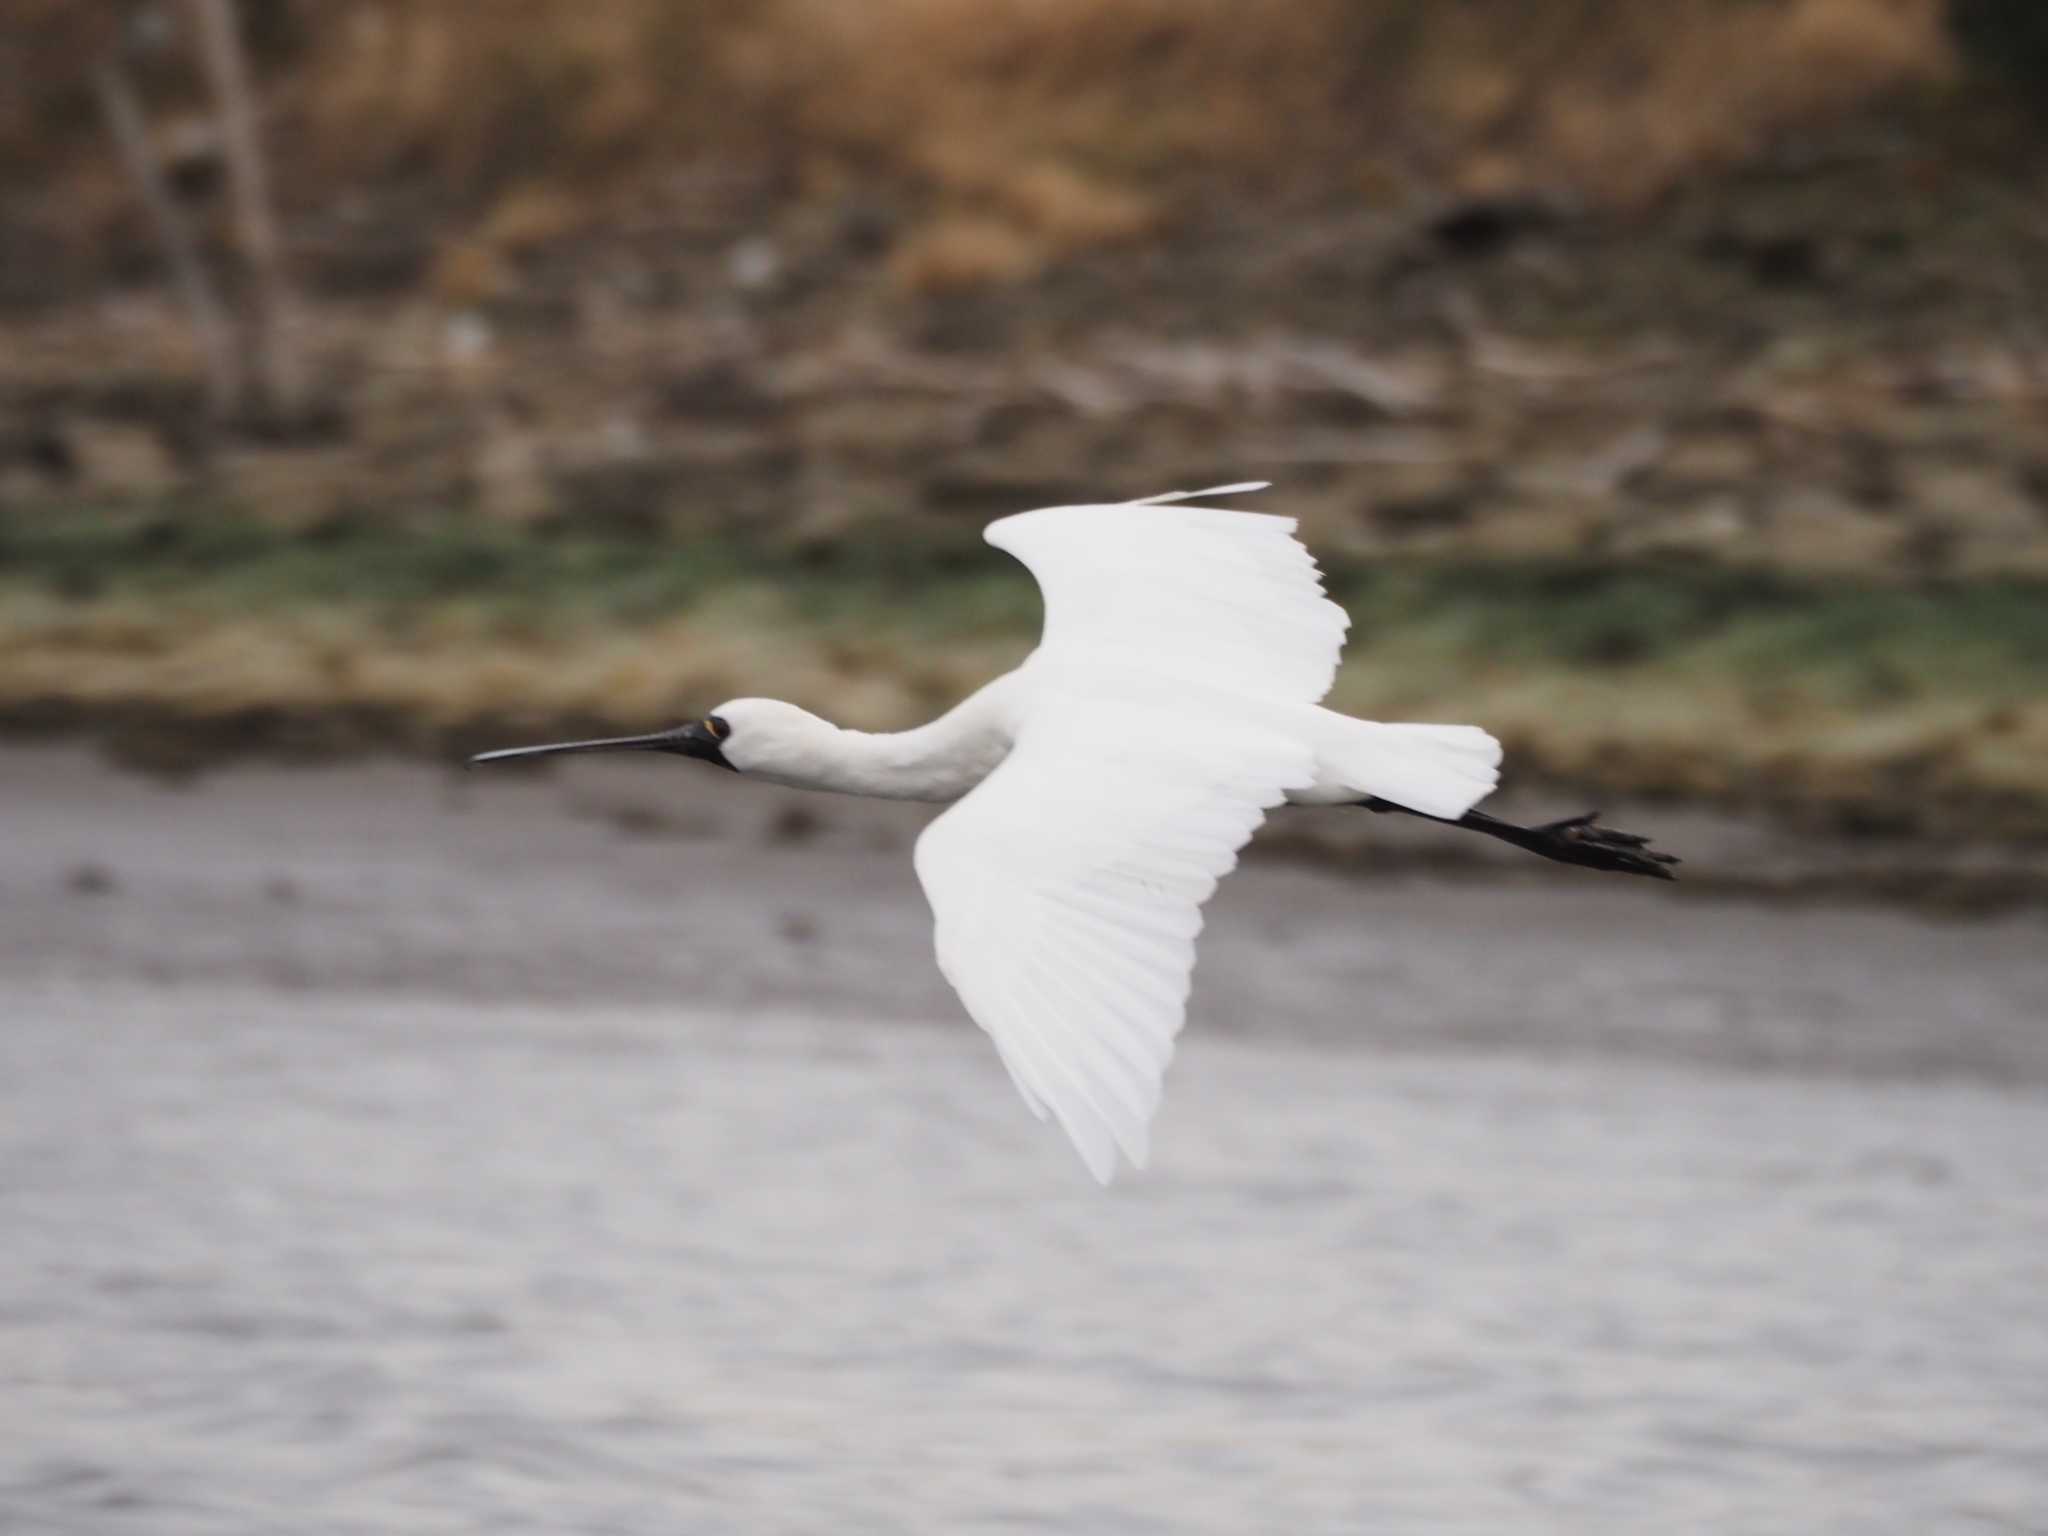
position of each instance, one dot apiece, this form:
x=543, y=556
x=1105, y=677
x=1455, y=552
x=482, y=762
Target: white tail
x=1439, y=770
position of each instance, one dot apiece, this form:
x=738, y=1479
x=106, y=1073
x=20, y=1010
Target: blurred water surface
x=308, y=1249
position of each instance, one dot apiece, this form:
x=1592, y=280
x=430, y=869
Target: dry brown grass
x=1743, y=75
x=1689, y=736
x=1069, y=123
x=458, y=667
x=965, y=250
x=1042, y=128
x=1043, y=106
x=487, y=95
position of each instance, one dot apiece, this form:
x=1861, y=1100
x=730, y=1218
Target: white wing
x=1067, y=887
x=1227, y=601
x=1067, y=891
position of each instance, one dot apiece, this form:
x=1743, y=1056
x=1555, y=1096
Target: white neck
x=938, y=762
x=929, y=763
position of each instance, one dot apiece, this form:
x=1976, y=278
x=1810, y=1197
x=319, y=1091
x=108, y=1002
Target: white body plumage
x=1107, y=783
x=1104, y=786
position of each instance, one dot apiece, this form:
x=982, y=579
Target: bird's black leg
x=1575, y=840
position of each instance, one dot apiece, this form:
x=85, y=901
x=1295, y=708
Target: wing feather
x=1070, y=935
x=1223, y=600
x=1150, y=741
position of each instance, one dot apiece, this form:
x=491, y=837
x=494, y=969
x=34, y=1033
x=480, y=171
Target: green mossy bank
x=1912, y=707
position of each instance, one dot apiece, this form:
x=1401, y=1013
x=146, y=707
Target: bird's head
x=744, y=735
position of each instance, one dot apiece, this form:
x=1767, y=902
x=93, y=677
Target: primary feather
x=1067, y=893
x=1169, y=705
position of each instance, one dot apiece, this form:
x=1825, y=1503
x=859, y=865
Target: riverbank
x=616, y=883
x=1833, y=705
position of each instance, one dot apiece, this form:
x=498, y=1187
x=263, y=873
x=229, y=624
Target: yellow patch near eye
x=715, y=726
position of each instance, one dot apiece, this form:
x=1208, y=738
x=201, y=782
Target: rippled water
x=386, y=1266
x=378, y=1157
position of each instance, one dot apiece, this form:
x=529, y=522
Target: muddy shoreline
x=1784, y=855
x=627, y=883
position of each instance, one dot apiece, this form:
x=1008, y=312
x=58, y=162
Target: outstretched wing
x=1067, y=892
x=1067, y=887
x=1228, y=601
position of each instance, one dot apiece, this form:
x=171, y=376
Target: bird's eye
x=718, y=728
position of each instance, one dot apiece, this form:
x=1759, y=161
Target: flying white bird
x=1106, y=784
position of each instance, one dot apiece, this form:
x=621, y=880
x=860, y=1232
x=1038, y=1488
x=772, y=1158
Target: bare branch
x=275, y=356
x=210, y=323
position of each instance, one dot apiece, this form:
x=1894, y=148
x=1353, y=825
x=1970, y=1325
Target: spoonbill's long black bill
x=680, y=741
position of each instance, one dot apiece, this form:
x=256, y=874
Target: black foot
x=1575, y=840
x=1581, y=840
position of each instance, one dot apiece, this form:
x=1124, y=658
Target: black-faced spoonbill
x=1108, y=782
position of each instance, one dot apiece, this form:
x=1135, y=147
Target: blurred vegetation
x=1041, y=126
x=1907, y=708
x=1663, y=383
x=2006, y=38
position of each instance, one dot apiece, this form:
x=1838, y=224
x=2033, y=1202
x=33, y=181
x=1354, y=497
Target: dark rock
x=92, y=880
x=794, y=825
x=1486, y=226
